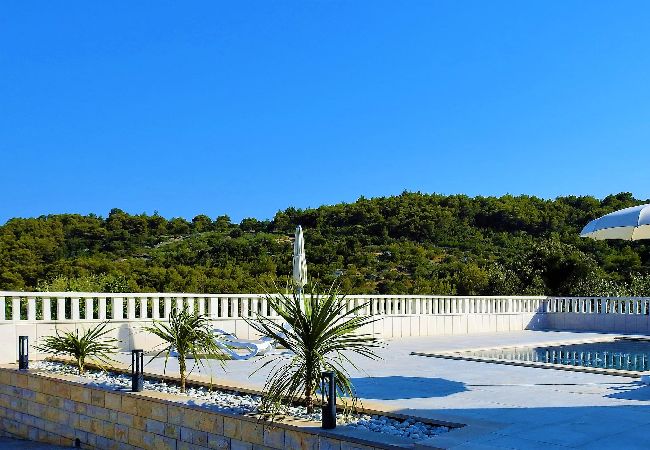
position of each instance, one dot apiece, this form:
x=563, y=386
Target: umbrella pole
x=299, y=293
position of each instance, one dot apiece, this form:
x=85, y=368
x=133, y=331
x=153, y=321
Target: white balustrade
x=79, y=307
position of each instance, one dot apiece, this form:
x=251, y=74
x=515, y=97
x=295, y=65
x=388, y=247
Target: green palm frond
x=94, y=343
x=323, y=328
x=190, y=335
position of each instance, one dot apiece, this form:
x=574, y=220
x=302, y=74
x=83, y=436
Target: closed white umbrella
x=299, y=260
x=631, y=224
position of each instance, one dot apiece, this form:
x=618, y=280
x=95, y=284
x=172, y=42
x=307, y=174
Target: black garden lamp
x=328, y=400
x=137, y=370
x=23, y=352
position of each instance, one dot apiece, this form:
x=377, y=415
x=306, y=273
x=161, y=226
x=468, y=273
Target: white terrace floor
x=505, y=406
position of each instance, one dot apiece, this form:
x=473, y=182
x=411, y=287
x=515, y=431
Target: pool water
x=618, y=354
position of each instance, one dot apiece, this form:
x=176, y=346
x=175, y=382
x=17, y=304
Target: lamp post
x=137, y=370
x=328, y=400
x=23, y=352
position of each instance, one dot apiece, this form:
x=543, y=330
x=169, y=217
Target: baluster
x=118, y=308
x=213, y=307
x=265, y=306
x=201, y=306
x=190, y=304
x=2, y=308
x=15, y=308
x=89, y=312
x=130, y=308
x=60, y=308
x=224, y=307
x=31, y=308
x=155, y=308
x=167, y=306
x=144, y=307
x=243, y=302
x=179, y=304
x=235, y=305
x=101, y=308
x=74, y=308
x=46, y=305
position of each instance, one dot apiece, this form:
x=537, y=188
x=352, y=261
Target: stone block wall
x=61, y=409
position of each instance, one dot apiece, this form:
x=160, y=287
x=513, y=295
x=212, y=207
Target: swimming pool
x=619, y=354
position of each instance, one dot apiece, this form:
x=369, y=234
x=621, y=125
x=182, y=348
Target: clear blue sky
x=251, y=107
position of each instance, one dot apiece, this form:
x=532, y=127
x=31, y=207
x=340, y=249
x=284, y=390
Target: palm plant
x=321, y=335
x=189, y=335
x=93, y=343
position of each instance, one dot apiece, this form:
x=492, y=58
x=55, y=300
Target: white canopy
x=632, y=224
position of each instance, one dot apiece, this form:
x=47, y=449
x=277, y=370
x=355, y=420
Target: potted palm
x=321, y=330
x=187, y=335
x=92, y=344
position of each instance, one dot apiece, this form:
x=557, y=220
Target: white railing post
x=130, y=308
x=264, y=306
x=144, y=307
x=201, y=310
x=101, y=308
x=213, y=307
x=223, y=301
x=234, y=303
x=31, y=308
x=245, y=307
x=89, y=312
x=155, y=307
x=2, y=308
x=167, y=307
x=15, y=308
x=60, y=308
x=46, y=304
x=118, y=308
x=179, y=303
x=190, y=304
x=74, y=308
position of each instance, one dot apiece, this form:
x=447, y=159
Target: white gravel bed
x=240, y=403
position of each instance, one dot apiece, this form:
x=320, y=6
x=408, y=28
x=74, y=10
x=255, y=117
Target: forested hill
x=410, y=243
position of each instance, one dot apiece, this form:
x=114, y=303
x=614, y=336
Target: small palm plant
x=94, y=344
x=322, y=333
x=188, y=335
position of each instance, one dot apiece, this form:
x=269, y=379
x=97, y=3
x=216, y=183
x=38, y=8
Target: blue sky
x=250, y=107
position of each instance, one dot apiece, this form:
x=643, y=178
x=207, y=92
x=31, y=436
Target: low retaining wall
x=59, y=410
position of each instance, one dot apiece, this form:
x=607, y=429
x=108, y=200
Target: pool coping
x=457, y=355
